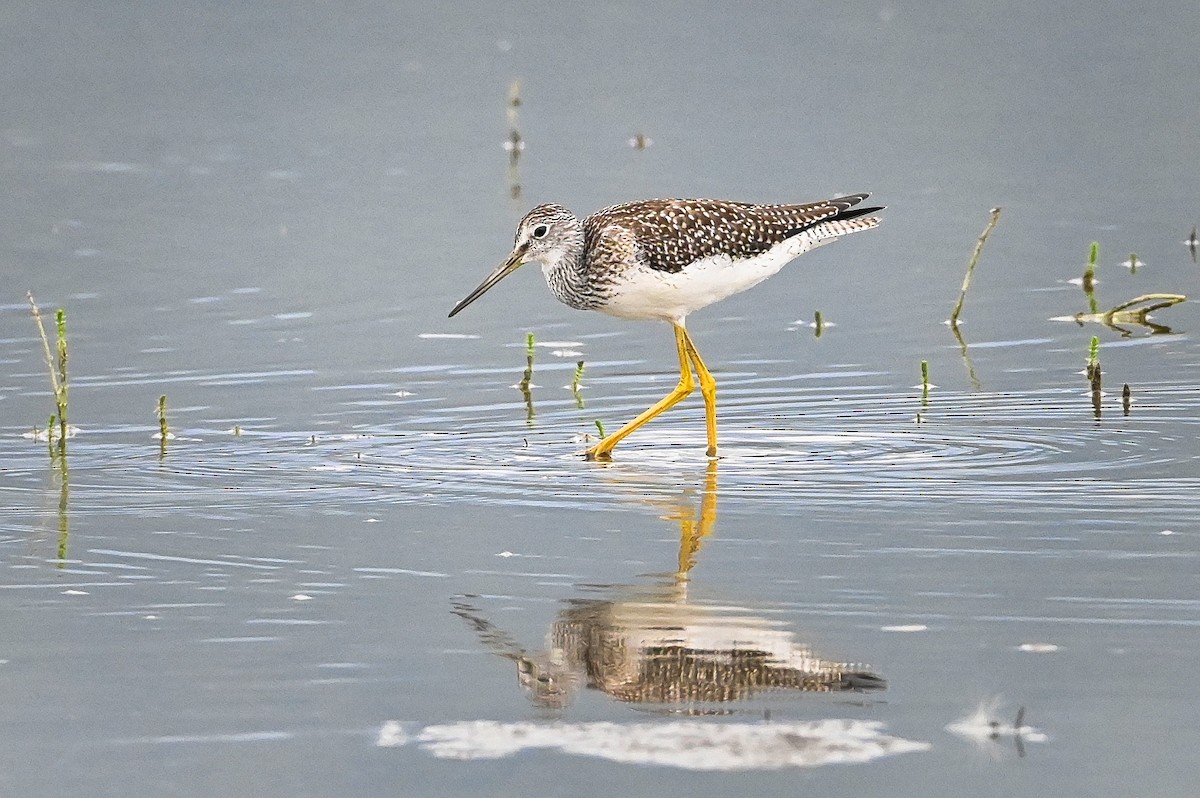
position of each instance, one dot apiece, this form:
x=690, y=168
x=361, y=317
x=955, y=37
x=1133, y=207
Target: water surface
x=369, y=563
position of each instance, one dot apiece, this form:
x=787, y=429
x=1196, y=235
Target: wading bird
x=664, y=258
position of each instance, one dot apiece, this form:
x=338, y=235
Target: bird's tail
x=847, y=219
x=836, y=228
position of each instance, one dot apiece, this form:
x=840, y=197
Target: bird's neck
x=567, y=274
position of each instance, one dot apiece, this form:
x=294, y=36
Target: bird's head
x=545, y=236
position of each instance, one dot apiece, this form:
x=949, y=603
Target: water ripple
x=810, y=449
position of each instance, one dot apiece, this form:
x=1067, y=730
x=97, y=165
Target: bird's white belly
x=644, y=293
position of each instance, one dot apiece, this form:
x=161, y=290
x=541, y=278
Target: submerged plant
x=1134, y=312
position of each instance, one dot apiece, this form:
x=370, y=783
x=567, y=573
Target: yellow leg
x=603, y=449
x=708, y=387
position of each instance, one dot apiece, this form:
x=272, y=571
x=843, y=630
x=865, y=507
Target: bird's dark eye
x=540, y=231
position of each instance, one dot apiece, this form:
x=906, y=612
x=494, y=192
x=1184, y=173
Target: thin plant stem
x=966, y=283
x=58, y=373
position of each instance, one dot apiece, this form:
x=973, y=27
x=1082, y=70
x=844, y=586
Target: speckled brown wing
x=670, y=234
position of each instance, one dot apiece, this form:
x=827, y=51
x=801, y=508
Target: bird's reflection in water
x=648, y=645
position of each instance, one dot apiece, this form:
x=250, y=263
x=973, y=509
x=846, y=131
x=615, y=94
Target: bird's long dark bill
x=508, y=267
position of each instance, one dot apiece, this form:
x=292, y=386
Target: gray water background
x=260, y=210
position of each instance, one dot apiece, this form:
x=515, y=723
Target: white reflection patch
x=691, y=745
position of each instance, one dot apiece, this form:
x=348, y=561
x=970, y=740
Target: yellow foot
x=598, y=454
x=712, y=451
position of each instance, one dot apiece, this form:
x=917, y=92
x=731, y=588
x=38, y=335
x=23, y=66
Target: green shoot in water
x=924, y=381
x=818, y=324
x=58, y=370
x=575, y=384
x=161, y=411
x=527, y=379
x=60, y=323
x=1094, y=375
x=600, y=427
